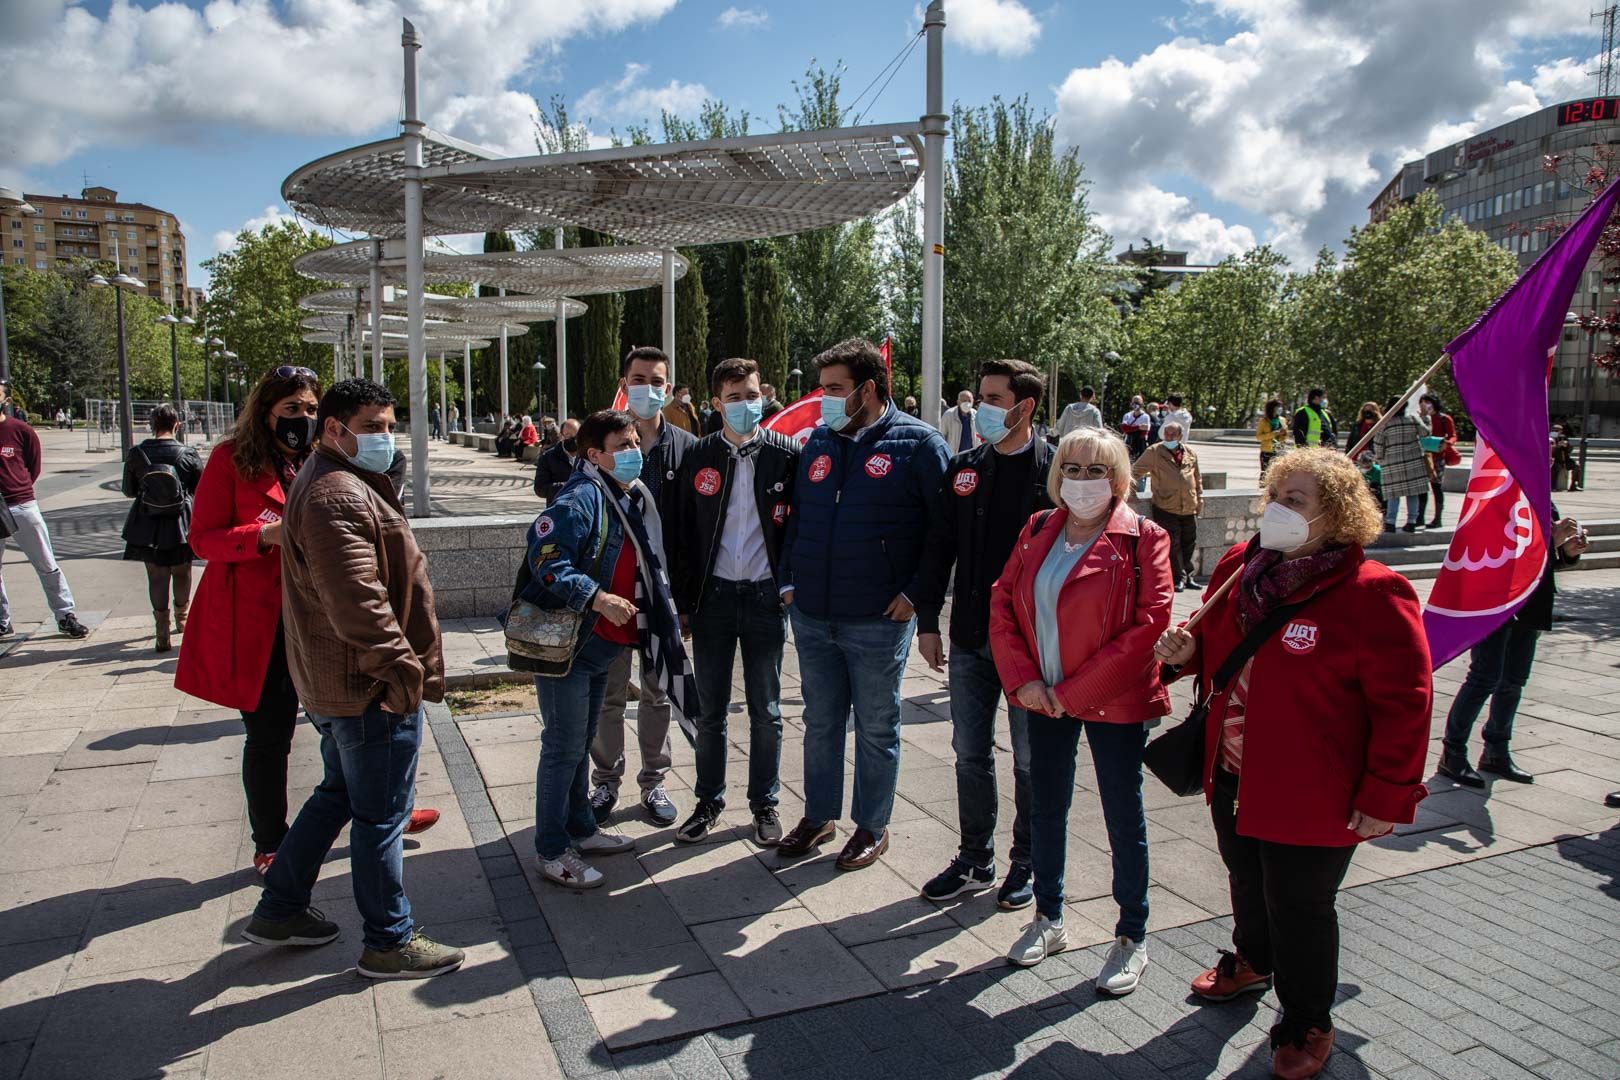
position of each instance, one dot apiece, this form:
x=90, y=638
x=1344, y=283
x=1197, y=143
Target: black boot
x=1500, y=763
x=1612, y=799
x=1439, y=506
x=1455, y=765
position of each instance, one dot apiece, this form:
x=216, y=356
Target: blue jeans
x=1116, y=753
x=1498, y=668
x=1392, y=507
x=370, y=780
x=748, y=613
x=848, y=663
x=569, y=708
x=975, y=693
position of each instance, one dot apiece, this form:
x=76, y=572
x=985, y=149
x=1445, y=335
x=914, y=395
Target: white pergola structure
x=426, y=183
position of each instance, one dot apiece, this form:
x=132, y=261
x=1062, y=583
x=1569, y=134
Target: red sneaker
x=421, y=821
x=1229, y=978
x=262, y=861
x=1302, y=1057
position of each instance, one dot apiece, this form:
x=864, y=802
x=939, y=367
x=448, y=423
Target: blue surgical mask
x=991, y=423
x=645, y=400
x=627, y=465
x=835, y=411
x=744, y=416
x=1172, y=444
x=373, y=453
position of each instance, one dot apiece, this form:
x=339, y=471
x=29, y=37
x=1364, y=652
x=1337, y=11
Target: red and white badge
x=878, y=466
x=8, y=451
x=1300, y=636
x=966, y=482
x=707, y=481
x=543, y=527
x=779, y=513
x=819, y=469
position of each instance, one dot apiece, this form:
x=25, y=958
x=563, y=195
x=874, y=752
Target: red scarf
x=1268, y=580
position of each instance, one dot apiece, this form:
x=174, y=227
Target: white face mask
x=1087, y=498
x=1283, y=529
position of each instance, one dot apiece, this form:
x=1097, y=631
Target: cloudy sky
x=1210, y=125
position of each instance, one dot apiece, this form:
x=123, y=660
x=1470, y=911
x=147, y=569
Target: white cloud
x=1300, y=112
x=139, y=76
x=742, y=19
x=225, y=240
x=1003, y=27
x=629, y=98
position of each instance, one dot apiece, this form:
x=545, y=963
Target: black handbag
x=1177, y=756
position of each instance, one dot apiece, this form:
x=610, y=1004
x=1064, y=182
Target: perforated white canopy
x=507, y=309
x=544, y=273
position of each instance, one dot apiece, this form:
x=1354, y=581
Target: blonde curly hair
x=1353, y=517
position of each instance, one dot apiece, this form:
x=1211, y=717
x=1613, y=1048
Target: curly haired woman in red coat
x=232, y=653
x=1315, y=745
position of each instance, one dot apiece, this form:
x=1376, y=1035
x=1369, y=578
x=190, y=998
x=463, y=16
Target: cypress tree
x=767, y=328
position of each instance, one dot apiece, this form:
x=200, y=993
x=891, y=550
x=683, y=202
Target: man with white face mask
x=644, y=375
x=848, y=572
x=956, y=425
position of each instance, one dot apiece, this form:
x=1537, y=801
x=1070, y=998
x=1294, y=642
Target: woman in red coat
x=232, y=653
x=1322, y=733
x=1442, y=427
x=1101, y=572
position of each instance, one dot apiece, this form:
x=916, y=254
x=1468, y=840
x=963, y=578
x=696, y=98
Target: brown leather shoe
x=806, y=835
x=1230, y=977
x=863, y=849
x=1304, y=1058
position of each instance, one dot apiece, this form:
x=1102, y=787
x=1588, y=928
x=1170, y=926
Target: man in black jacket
x=644, y=374
x=734, y=489
x=556, y=463
x=988, y=495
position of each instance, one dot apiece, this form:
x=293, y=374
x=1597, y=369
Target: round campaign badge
x=878, y=466
x=707, y=481
x=966, y=482
x=779, y=513
x=1300, y=636
x=819, y=469
x=543, y=527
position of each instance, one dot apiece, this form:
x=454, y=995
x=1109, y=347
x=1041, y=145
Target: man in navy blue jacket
x=848, y=570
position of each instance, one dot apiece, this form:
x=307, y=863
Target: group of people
x=683, y=550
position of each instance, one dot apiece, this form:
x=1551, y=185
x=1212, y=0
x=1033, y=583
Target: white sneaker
x=571, y=872
x=1042, y=938
x=604, y=843
x=1123, y=969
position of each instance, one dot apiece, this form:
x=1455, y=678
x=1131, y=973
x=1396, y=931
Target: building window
x=129, y=234
x=39, y=228
x=16, y=243
x=80, y=214
x=129, y=217
x=130, y=252
x=16, y=224
x=39, y=245
x=108, y=215
x=39, y=264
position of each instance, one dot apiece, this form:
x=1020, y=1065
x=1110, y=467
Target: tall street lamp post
x=118, y=283
x=174, y=363
x=1590, y=374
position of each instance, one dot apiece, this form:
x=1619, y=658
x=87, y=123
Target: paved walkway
x=1479, y=942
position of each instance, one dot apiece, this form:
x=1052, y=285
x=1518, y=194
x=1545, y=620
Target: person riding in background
x=1322, y=731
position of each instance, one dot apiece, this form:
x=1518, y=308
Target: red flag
x=620, y=402
x=888, y=353
x=799, y=419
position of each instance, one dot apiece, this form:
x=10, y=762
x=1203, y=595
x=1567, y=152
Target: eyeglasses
x=1072, y=471
x=287, y=371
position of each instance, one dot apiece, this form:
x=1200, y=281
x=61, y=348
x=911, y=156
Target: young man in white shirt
x=734, y=490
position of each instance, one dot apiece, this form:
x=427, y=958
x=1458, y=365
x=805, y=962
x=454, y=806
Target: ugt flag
x=1500, y=365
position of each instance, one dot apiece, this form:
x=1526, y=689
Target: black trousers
x=1183, y=530
x=1284, y=914
x=270, y=730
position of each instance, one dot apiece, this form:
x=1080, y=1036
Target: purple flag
x=1500, y=365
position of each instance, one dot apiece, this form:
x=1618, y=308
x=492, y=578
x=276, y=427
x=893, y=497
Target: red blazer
x=1442, y=425
x=236, y=612
x=1339, y=702
x=1109, y=623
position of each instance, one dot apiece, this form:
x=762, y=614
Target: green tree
x=253, y=300
x=728, y=309
x=598, y=342
x=692, y=325
x=767, y=318
x=1220, y=338
x=1407, y=286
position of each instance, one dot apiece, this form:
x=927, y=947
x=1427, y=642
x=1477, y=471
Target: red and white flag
x=799, y=419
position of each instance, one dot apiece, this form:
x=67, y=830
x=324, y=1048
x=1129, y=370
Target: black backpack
x=161, y=492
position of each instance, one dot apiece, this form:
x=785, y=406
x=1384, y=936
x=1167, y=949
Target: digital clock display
x=1581, y=112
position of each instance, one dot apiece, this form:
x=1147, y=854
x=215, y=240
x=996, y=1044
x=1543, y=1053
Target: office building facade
x=141, y=240
x=1497, y=182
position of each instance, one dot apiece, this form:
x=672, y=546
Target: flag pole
x=1434, y=368
x=1361, y=444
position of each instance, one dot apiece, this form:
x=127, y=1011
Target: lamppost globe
x=96, y=281
x=167, y=320
x=187, y=320
x=216, y=341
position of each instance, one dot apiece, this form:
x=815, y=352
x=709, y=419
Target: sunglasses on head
x=287, y=371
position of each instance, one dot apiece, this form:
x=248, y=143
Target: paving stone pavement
x=1480, y=941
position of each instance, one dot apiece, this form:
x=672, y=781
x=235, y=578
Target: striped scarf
x=657, y=623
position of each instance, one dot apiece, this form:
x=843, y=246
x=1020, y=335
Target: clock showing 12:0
x=1587, y=110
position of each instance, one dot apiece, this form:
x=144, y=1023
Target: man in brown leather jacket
x=363, y=648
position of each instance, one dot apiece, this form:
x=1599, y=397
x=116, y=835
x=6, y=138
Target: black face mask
x=296, y=433
x=1368, y=416
x=570, y=446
